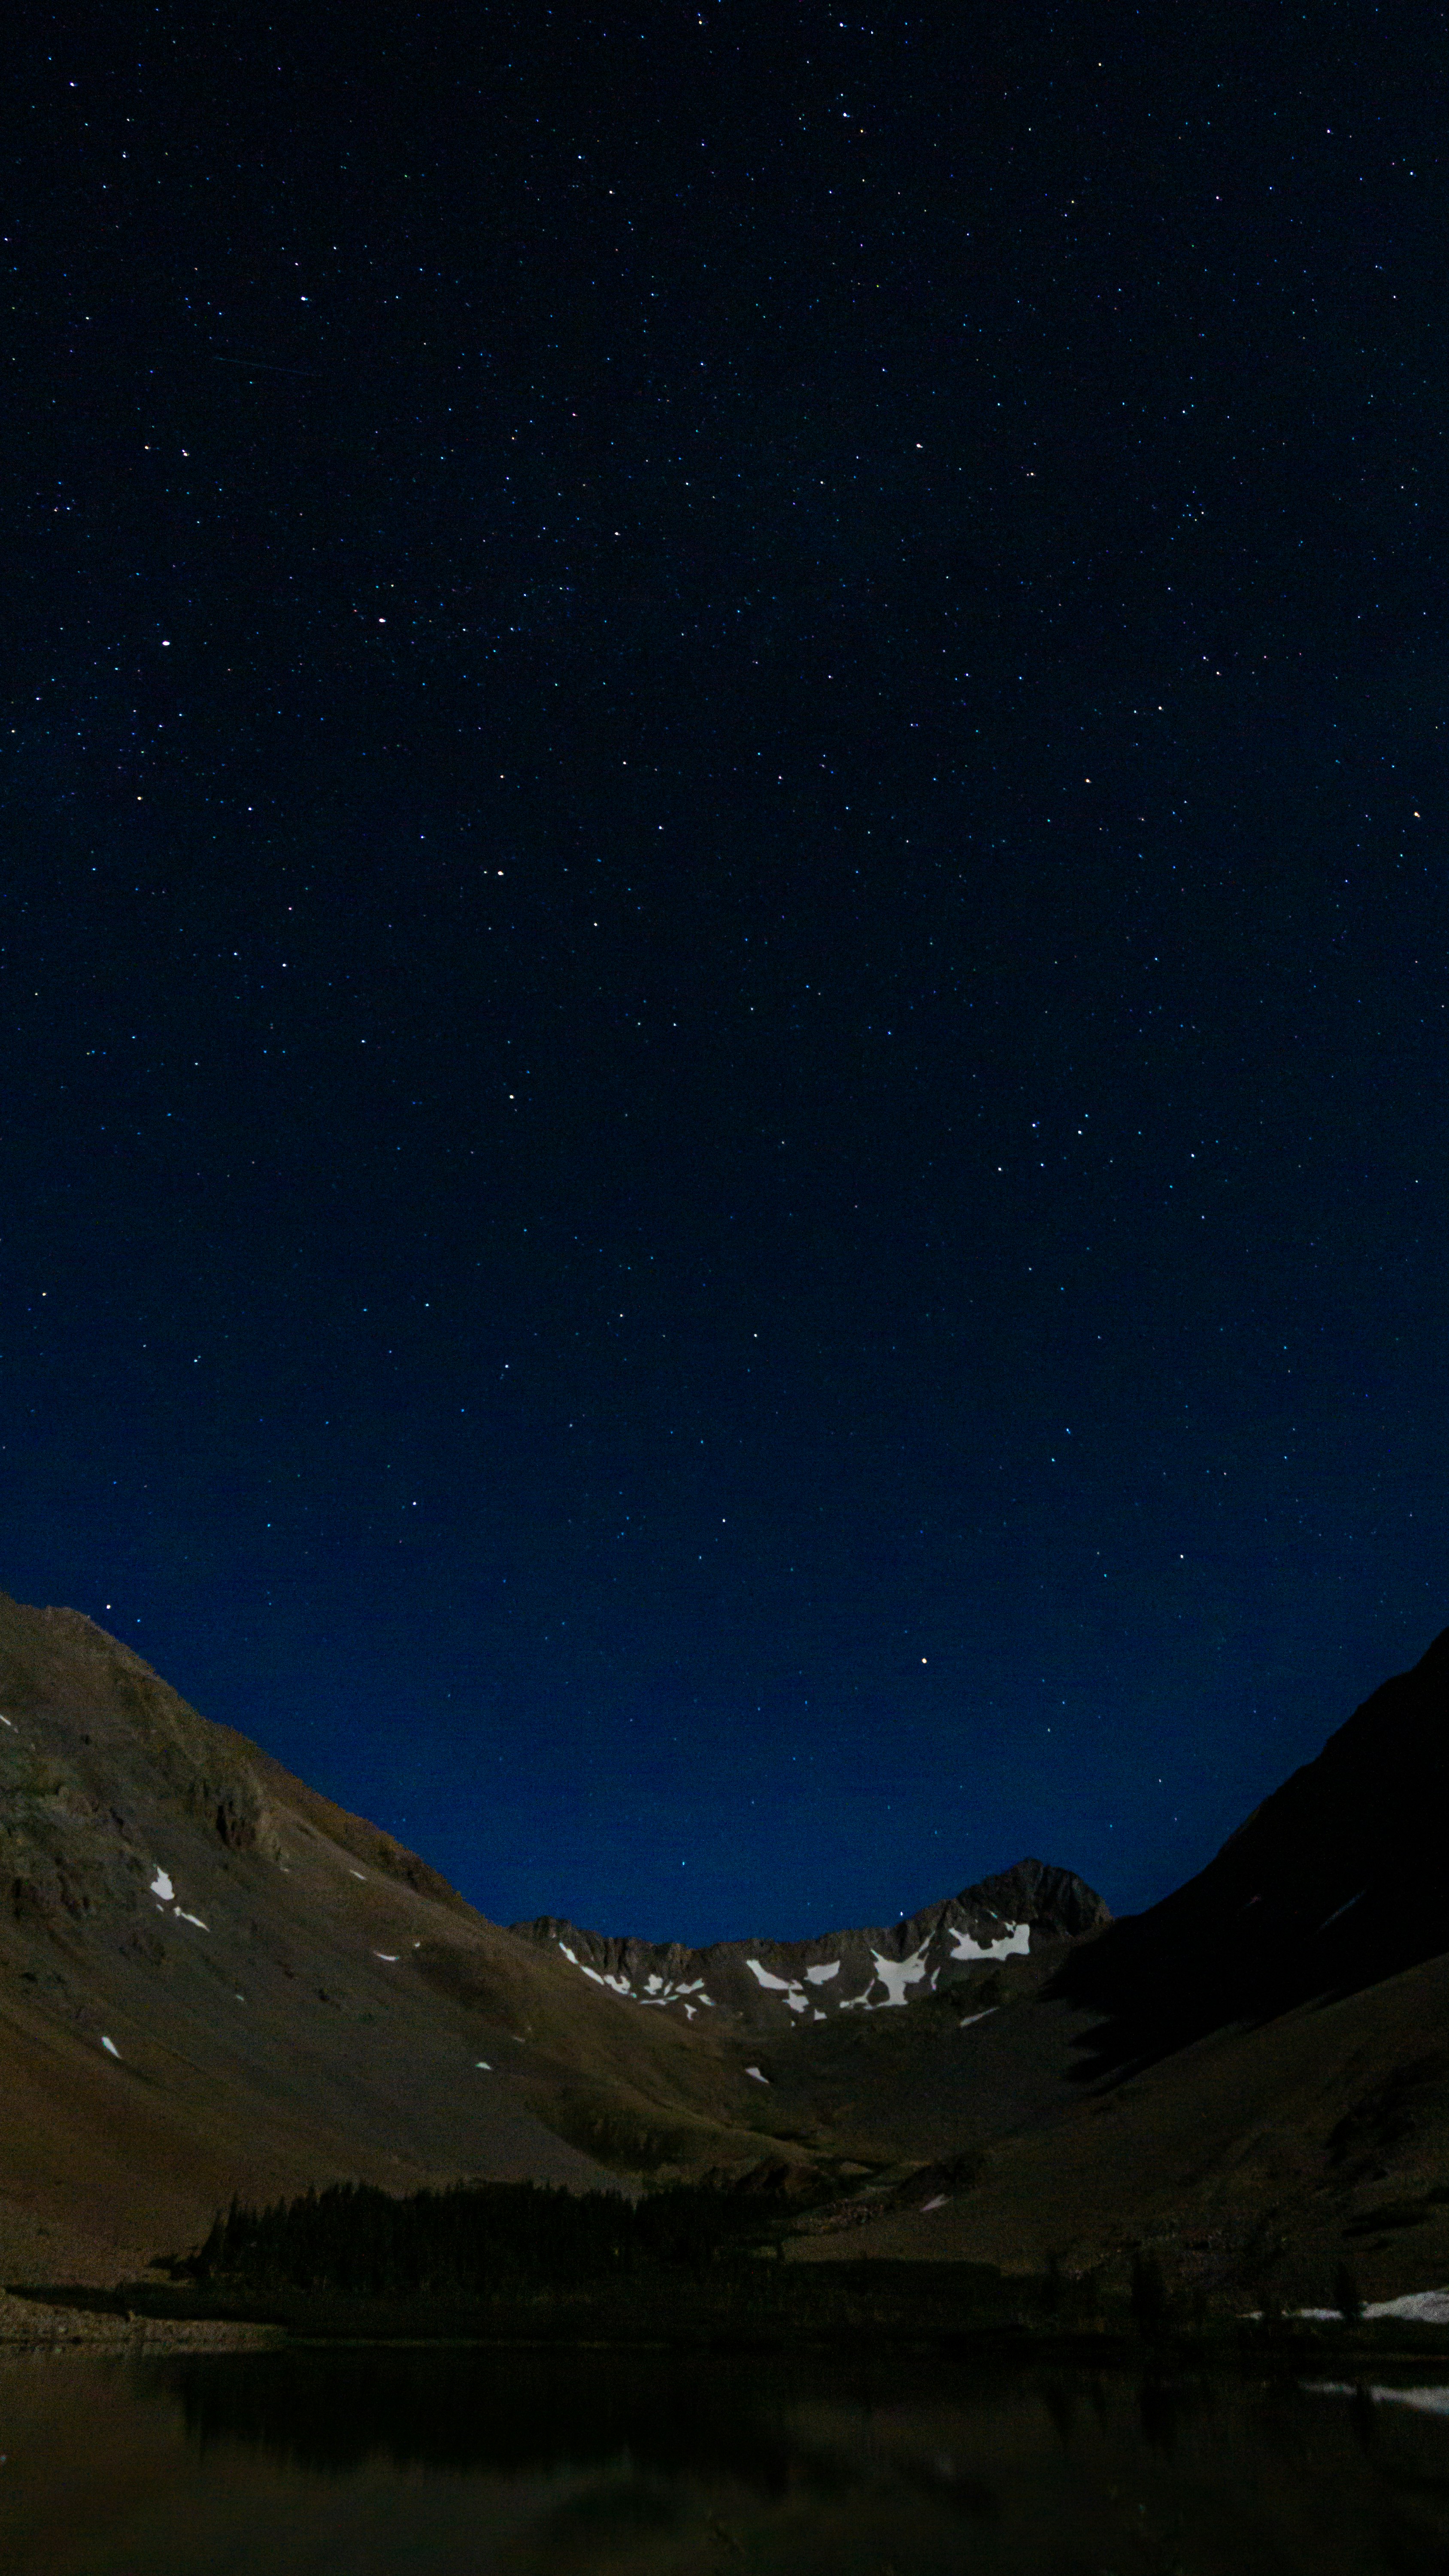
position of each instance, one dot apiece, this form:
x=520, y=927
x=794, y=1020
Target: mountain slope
x=1332, y=1884
x=1256, y=2159
x=1253, y=2076
x=212, y=1979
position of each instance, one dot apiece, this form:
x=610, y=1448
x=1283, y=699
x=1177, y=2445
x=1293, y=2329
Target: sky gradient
x=722, y=922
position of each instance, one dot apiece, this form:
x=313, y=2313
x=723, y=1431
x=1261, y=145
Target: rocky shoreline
x=27, y=2325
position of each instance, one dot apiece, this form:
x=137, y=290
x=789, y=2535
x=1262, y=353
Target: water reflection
x=533, y=2464
x=531, y=2411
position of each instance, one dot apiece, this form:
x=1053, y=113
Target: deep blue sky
x=722, y=1013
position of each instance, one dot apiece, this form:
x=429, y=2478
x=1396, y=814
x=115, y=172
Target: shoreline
x=30, y=2325
x=64, y=2321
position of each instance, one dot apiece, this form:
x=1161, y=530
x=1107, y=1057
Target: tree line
x=470, y=2240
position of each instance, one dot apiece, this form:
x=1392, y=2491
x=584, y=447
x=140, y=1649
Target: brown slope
x=963, y=2067
x=287, y=1994
x=1260, y=2158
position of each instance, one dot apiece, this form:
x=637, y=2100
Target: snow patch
x=8, y=1721
x=1342, y=1909
x=391, y=1956
x=790, y=1987
x=938, y=2203
x=895, y=1975
x=984, y=2015
x=1427, y=2307
x=1425, y=2401
x=110, y=2045
x=657, y=1989
x=1015, y=1943
x=766, y=1977
x=360, y=1873
x=749, y=2070
x=482, y=2063
x=1431, y=2307
x=822, y=1975
x=161, y=1886
x=183, y=1917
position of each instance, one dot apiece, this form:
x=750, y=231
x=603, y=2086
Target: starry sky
x=722, y=918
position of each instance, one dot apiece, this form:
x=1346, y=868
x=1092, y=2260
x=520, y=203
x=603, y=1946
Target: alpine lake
x=439, y=2461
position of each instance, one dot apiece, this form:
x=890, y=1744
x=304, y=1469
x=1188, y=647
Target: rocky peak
x=778, y=1985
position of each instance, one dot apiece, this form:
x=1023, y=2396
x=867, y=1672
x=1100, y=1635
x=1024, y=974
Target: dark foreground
x=648, y=2464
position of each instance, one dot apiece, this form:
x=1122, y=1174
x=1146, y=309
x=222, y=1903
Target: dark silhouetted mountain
x=1335, y=1882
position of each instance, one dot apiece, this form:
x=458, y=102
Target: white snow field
x=1015, y=1943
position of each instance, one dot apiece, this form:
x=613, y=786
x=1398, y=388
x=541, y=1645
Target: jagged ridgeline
x=472, y=2240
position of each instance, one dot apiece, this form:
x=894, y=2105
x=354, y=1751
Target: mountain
x=1334, y=1883
x=212, y=1980
x=1260, y=2063
x=766, y=1985
x=1255, y=2160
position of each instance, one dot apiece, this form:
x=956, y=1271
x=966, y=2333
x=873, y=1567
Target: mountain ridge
x=766, y=1982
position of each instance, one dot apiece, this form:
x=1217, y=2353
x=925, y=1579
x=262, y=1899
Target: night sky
x=722, y=883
